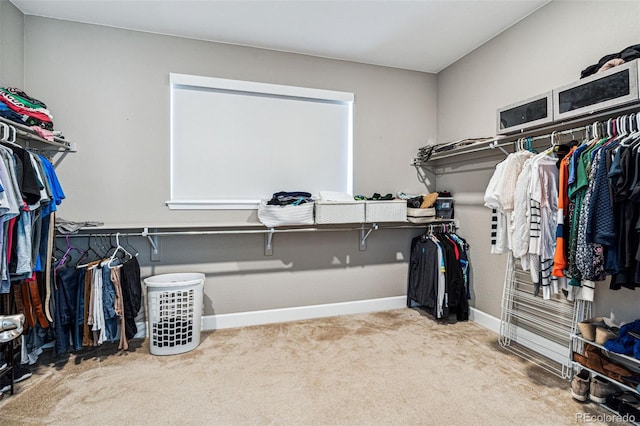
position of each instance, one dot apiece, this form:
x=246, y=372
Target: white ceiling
x=421, y=35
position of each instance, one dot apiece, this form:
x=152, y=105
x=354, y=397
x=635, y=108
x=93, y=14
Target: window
x=234, y=143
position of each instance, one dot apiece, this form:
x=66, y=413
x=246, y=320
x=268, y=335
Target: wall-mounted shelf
x=152, y=233
x=603, y=95
x=574, y=125
x=28, y=134
x=496, y=143
x=28, y=138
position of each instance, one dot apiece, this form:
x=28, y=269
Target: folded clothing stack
x=17, y=106
x=295, y=198
x=611, y=60
x=627, y=341
x=374, y=197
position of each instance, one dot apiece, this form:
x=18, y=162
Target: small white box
x=339, y=212
x=386, y=211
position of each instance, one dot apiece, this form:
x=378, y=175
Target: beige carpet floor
x=389, y=368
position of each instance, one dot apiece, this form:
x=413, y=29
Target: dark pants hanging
x=131, y=295
x=69, y=312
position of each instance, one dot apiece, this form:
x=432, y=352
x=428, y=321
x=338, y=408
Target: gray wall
x=11, y=45
x=544, y=51
x=109, y=92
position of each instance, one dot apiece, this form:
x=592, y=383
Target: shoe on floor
x=21, y=373
x=580, y=385
x=5, y=384
x=623, y=401
x=599, y=390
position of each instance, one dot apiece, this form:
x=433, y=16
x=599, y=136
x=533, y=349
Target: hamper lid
x=176, y=279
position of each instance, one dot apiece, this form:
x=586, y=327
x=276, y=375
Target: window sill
x=213, y=204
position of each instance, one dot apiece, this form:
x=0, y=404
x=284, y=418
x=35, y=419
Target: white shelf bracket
x=364, y=234
x=155, y=246
x=268, y=242
x=494, y=145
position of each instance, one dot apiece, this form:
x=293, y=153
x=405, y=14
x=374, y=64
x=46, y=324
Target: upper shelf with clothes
x=27, y=122
x=596, y=121
x=609, y=88
x=612, y=92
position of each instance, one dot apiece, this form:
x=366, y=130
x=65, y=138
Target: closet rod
x=218, y=232
x=88, y=231
x=580, y=129
x=268, y=233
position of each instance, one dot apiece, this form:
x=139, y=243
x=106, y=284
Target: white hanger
x=620, y=123
x=13, y=134
x=5, y=132
x=115, y=252
x=8, y=134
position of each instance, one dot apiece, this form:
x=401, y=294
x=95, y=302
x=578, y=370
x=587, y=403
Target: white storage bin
x=175, y=312
x=272, y=216
x=339, y=212
x=614, y=87
x=525, y=114
x=386, y=211
x=421, y=215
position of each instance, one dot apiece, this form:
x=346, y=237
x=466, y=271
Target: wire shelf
x=529, y=323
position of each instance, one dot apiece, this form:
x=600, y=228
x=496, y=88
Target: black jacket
x=423, y=277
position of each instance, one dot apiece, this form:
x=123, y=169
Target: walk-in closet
x=354, y=212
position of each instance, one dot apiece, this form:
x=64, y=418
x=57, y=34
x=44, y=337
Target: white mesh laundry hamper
x=175, y=312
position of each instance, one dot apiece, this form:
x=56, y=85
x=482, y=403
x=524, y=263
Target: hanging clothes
x=576, y=219
x=500, y=196
x=439, y=275
x=543, y=193
x=97, y=301
x=523, y=190
x=29, y=195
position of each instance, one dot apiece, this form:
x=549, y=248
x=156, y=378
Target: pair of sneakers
x=595, y=388
x=20, y=373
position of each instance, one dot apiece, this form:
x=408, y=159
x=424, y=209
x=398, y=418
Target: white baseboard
x=548, y=348
x=243, y=319
x=485, y=320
